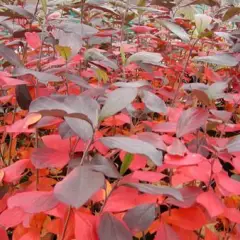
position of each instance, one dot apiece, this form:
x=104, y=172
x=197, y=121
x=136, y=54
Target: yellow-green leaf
x=123, y=56
x=126, y=163
x=44, y=6
x=64, y=51
x=141, y=3
x=101, y=75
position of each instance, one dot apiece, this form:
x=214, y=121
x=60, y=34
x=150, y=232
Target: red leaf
x=148, y=176
x=227, y=184
x=11, y=217
x=189, y=197
x=56, y=142
x=88, y=226
x=141, y=29
x=33, y=39
x=6, y=80
x=212, y=75
x=167, y=127
x=190, y=120
x=183, y=218
x=211, y=202
x=165, y=232
x=49, y=158
x=3, y=234
x=121, y=199
x=232, y=214
x=236, y=163
x=138, y=162
x=31, y=235
x=209, y=235
x=33, y=202
x=177, y=148
x=19, y=127
x=14, y=172
x=189, y=159
x=116, y=120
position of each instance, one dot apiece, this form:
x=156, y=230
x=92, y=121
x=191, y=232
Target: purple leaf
x=23, y=96
x=223, y=115
x=81, y=127
x=222, y=59
x=141, y=217
x=233, y=145
x=19, y=10
x=190, y=120
x=118, y=100
x=112, y=228
x=10, y=55
x=132, y=145
x=78, y=80
x=153, y=102
x=79, y=186
x=65, y=131
x=105, y=166
x=42, y=77
x=152, y=138
x=157, y=190
x=80, y=29
x=136, y=84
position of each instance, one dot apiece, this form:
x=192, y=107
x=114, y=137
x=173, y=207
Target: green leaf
x=126, y=163
x=101, y=75
x=64, y=51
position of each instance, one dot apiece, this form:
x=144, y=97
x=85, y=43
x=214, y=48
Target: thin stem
x=37, y=170
x=184, y=70
x=108, y=196
x=200, y=234
x=66, y=223
x=86, y=151
x=35, y=12
x=144, y=236
x=11, y=137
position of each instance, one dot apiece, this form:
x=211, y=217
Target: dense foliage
x=119, y=120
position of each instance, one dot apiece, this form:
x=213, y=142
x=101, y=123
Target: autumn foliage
x=119, y=120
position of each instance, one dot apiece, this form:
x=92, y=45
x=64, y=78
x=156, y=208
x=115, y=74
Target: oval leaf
x=105, y=166
x=33, y=202
x=118, y=100
x=233, y=145
x=23, y=96
x=153, y=102
x=218, y=59
x=190, y=120
x=141, y=217
x=179, y=31
x=10, y=55
x=78, y=186
x=126, y=163
x=146, y=57
x=112, y=228
x=81, y=127
x=134, y=146
x=156, y=190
